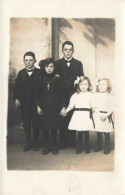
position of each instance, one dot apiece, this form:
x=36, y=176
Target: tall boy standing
x=24, y=96
x=68, y=68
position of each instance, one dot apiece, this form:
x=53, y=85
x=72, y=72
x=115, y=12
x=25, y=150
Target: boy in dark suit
x=68, y=68
x=24, y=96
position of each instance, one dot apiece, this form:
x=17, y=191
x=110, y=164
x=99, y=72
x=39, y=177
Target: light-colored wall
x=29, y=34
x=94, y=43
x=26, y=34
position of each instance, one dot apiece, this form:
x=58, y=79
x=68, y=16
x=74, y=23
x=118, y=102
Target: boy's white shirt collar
x=30, y=68
x=68, y=59
x=30, y=73
x=68, y=63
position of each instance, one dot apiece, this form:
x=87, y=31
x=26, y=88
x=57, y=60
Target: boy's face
x=49, y=68
x=29, y=62
x=68, y=51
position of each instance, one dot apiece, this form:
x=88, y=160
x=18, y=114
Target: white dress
x=103, y=102
x=80, y=120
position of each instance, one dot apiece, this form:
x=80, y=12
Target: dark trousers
x=67, y=138
x=53, y=138
x=30, y=117
x=80, y=139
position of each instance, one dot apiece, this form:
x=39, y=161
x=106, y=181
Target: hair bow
x=76, y=82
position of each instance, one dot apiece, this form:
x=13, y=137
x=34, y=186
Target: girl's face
x=102, y=86
x=49, y=68
x=83, y=86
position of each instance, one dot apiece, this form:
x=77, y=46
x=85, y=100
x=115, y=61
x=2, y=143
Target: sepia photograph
x=61, y=94
x=62, y=97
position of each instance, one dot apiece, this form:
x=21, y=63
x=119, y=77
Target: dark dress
x=51, y=98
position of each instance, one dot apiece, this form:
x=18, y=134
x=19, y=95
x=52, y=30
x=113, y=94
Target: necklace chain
x=48, y=83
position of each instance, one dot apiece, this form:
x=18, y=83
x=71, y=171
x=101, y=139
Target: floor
x=67, y=159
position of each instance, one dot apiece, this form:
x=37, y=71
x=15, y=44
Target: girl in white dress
x=103, y=113
x=81, y=120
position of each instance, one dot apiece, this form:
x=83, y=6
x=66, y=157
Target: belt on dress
x=89, y=110
x=109, y=117
x=84, y=109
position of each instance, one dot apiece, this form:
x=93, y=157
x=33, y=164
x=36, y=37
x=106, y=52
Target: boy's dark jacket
x=20, y=84
x=69, y=74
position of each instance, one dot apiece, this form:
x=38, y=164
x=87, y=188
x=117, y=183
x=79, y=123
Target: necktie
x=68, y=63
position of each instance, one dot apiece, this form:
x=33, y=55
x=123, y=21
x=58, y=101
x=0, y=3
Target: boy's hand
x=17, y=103
x=39, y=111
x=63, y=112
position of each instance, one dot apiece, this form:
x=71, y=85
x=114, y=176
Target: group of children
x=92, y=111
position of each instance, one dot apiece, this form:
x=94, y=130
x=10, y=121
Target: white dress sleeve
x=72, y=103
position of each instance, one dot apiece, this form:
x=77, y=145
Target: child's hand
x=103, y=117
x=39, y=111
x=93, y=110
x=63, y=112
x=17, y=103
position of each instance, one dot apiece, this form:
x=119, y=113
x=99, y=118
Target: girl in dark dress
x=50, y=103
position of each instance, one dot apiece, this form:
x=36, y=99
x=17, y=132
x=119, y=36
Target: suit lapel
x=24, y=74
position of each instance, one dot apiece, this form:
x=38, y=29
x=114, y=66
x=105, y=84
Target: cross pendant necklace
x=48, y=86
x=48, y=83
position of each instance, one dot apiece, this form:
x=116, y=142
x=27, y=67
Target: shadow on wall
x=14, y=116
x=98, y=29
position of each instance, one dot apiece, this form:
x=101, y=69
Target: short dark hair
x=84, y=78
x=29, y=53
x=67, y=43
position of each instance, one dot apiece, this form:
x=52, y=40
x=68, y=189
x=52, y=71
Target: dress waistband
x=84, y=109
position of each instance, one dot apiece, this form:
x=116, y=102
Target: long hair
x=83, y=78
x=109, y=87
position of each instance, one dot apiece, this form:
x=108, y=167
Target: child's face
x=49, y=68
x=83, y=86
x=68, y=51
x=102, y=86
x=29, y=62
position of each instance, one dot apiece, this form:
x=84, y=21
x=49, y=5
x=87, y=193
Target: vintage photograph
x=61, y=90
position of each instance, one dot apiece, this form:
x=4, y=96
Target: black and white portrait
x=62, y=98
